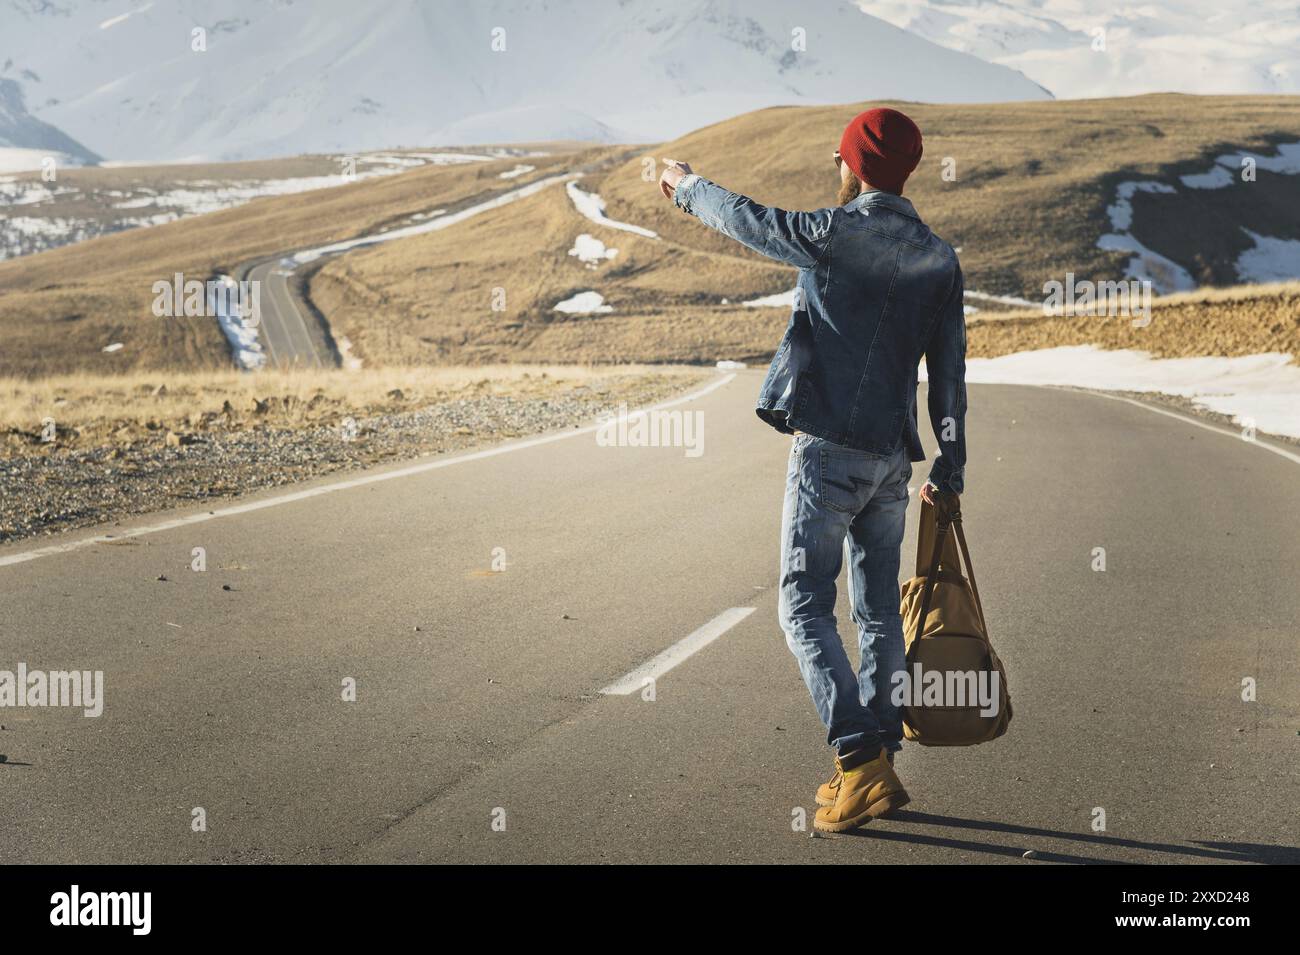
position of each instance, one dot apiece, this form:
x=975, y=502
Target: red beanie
x=883, y=147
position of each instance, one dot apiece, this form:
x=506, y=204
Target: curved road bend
x=284, y=330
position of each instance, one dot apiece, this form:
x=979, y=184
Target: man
x=877, y=291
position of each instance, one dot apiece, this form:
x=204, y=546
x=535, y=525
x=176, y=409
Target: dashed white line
x=661, y=663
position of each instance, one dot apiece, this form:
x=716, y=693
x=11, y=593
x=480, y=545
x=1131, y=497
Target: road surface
x=293, y=338
x=479, y=691
x=284, y=330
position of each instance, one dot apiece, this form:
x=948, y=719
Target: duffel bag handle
x=970, y=570
x=947, y=516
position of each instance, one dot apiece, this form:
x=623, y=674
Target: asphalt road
x=283, y=331
x=286, y=328
x=1126, y=683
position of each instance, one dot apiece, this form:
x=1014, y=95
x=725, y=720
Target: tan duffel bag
x=955, y=690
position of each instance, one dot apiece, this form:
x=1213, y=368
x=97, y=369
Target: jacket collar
x=885, y=200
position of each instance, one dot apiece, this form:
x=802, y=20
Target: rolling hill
x=1041, y=190
x=1102, y=189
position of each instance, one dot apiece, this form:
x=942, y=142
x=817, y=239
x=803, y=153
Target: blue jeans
x=833, y=495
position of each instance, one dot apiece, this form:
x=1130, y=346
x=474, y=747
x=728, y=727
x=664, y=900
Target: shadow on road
x=1210, y=851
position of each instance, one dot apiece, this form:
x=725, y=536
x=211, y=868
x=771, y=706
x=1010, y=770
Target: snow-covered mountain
x=1178, y=46
x=283, y=77
x=20, y=132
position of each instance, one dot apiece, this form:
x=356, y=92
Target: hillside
x=1038, y=187
x=60, y=308
x=19, y=130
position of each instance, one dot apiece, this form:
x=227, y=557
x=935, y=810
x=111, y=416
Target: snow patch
x=1227, y=168
x=1216, y=178
x=114, y=21
x=779, y=300
x=408, y=160
x=350, y=361
x=186, y=201
x=1121, y=213
x=1263, y=390
x=241, y=334
x=14, y=159
x=584, y=303
x=591, y=251
x=1271, y=260
x=1164, y=274
x=25, y=235
x=592, y=206
x=1002, y=299
x=433, y=224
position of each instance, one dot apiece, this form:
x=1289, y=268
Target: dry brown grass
x=1033, y=179
x=117, y=409
x=1033, y=184
x=60, y=308
x=1240, y=321
x=428, y=299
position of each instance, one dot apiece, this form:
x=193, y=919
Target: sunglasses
x=838, y=159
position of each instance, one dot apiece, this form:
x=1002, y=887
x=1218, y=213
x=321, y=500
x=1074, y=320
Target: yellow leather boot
x=867, y=789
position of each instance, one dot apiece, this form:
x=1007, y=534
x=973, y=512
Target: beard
x=850, y=189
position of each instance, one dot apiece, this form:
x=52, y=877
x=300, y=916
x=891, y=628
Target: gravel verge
x=46, y=490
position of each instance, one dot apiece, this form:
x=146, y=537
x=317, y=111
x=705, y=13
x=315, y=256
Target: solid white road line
x=65, y=547
x=658, y=665
x=1282, y=452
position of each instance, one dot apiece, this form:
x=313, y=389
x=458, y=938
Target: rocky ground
x=47, y=487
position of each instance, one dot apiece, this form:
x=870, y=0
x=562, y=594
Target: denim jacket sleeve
x=945, y=363
x=796, y=238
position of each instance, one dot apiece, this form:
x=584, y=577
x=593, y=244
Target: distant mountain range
x=279, y=77
x=19, y=130
x=1087, y=48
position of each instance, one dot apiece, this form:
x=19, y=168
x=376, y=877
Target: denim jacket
x=877, y=291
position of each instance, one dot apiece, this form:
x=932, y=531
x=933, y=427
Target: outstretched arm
x=796, y=238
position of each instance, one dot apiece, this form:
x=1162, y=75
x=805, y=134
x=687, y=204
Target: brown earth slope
x=1033, y=183
x=59, y=308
